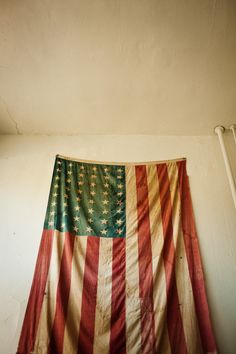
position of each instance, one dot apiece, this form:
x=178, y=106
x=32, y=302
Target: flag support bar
x=219, y=130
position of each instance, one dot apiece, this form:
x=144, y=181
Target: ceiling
x=117, y=66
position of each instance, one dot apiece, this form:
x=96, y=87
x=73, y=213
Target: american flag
x=118, y=268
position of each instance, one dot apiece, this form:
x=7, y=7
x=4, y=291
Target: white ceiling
x=117, y=66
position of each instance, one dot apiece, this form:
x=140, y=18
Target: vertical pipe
x=233, y=128
x=219, y=131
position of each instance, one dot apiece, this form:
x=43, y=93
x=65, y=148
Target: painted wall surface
x=26, y=164
x=156, y=67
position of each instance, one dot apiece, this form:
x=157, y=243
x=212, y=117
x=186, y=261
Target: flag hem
x=120, y=163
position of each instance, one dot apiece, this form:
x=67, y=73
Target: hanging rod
x=219, y=130
x=232, y=127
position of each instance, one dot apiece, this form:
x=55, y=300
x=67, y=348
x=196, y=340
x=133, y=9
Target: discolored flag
x=118, y=268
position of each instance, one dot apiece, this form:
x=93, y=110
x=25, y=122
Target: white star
x=119, y=221
x=118, y=211
x=58, y=170
x=70, y=164
x=76, y=218
x=119, y=170
x=67, y=188
x=105, y=201
x=53, y=203
x=52, y=212
x=55, y=195
x=88, y=229
x=94, y=168
x=120, y=185
x=106, y=177
x=104, y=221
x=51, y=223
x=59, y=162
x=104, y=232
x=105, y=169
x=90, y=210
x=78, y=199
x=92, y=192
x=93, y=176
x=119, y=177
x=79, y=191
x=65, y=204
x=77, y=208
x=105, y=193
x=75, y=228
x=68, y=180
x=119, y=231
x=91, y=201
x=90, y=220
x=82, y=167
x=119, y=202
x=93, y=184
x=66, y=196
x=69, y=172
x=56, y=186
x=57, y=177
x=80, y=183
x=120, y=194
x=65, y=213
x=81, y=175
x=106, y=185
x=63, y=225
x=105, y=211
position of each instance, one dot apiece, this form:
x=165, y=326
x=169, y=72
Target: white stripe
x=162, y=344
x=103, y=305
x=133, y=311
x=75, y=296
x=49, y=300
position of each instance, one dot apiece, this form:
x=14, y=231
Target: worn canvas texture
x=118, y=268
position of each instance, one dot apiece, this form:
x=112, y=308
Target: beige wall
x=26, y=165
x=156, y=67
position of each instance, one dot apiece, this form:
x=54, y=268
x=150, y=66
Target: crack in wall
x=18, y=132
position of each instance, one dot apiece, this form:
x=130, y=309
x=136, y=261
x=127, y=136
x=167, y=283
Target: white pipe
x=233, y=128
x=219, y=131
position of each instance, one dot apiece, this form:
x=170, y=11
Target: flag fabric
x=118, y=268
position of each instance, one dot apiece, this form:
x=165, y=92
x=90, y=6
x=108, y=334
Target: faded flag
x=118, y=268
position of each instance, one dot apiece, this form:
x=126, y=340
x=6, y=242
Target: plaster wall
x=161, y=67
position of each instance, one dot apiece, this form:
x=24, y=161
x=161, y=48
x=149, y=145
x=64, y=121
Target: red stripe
x=31, y=320
x=89, y=296
x=63, y=290
x=118, y=329
x=194, y=261
x=174, y=319
x=145, y=262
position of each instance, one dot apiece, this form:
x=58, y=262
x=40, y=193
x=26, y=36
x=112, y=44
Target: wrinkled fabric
x=118, y=268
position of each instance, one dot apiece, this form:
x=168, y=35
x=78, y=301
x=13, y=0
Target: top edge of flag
x=121, y=163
